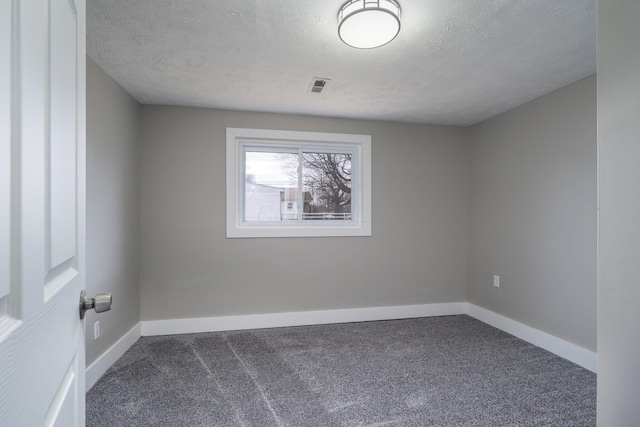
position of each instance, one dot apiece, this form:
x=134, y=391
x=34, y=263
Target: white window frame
x=359, y=145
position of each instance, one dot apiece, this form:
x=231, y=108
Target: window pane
x=326, y=185
x=271, y=186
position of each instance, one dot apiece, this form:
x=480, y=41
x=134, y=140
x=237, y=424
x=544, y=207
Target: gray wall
x=619, y=220
x=113, y=207
x=417, y=253
x=532, y=210
x=514, y=195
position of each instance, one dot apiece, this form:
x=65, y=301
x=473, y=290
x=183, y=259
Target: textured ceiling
x=454, y=61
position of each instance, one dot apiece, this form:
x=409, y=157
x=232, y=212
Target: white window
x=297, y=184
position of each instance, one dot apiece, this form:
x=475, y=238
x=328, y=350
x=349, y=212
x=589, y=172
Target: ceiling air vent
x=318, y=84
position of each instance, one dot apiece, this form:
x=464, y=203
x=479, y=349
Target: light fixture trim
x=369, y=35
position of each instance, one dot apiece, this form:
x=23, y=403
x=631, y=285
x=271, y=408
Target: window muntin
x=295, y=184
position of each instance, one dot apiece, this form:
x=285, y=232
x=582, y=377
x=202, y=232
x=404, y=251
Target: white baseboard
x=574, y=353
x=302, y=318
x=109, y=357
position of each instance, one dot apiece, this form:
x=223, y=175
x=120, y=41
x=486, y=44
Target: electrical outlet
x=496, y=280
x=96, y=330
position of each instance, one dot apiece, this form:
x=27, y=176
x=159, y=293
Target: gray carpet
x=439, y=371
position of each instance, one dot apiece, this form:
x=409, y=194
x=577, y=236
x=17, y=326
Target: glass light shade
x=366, y=24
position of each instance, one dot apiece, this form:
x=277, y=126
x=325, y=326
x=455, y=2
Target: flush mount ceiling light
x=366, y=24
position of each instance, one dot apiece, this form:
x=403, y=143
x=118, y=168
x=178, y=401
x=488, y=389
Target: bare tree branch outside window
x=327, y=177
x=326, y=181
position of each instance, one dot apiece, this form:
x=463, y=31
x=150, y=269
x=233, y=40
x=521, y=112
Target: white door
x=42, y=211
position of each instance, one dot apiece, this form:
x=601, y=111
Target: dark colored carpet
x=439, y=371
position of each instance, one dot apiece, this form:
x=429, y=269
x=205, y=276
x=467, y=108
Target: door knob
x=102, y=302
